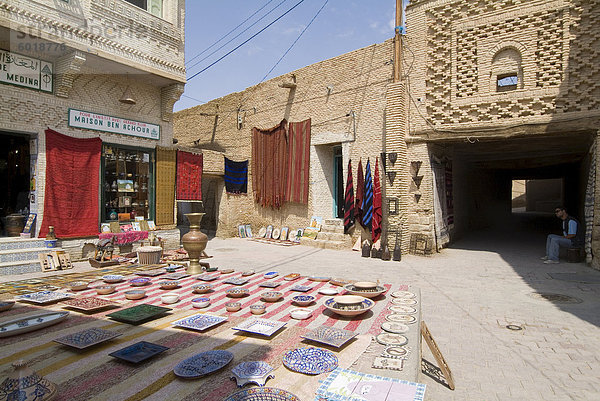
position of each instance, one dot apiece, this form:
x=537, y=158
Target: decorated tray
x=236, y=280
x=396, y=351
x=87, y=338
x=207, y=277
x=271, y=275
x=310, y=360
x=175, y=276
x=330, y=336
x=88, y=304
x=318, y=278
x=139, y=313
x=395, y=327
x=31, y=323
x=138, y=352
x=391, y=339
x=403, y=294
x=262, y=232
x=404, y=301
x=43, y=297
x=151, y=273
x=265, y=327
x=291, y=276
x=203, y=364
x=404, y=309
x=200, y=321
x=262, y=394
x=406, y=319
x=270, y=284
x=301, y=288
x=252, y=372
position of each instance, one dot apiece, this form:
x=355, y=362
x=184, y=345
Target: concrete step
x=328, y=244
x=330, y=236
x=334, y=222
x=332, y=228
x=26, y=266
x=21, y=243
x=19, y=255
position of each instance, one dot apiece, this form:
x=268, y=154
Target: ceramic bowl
x=365, y=292
x=233, y=306
x=348, y=307
x=329, y=291
x=6, y=305
x=237, y=292
x=272, y=296
x=77, y=285
x=257, y=309
x=169, y=284
x=348, y=300
x=202, y=302
x=112, y=278
x=135, y=294
x=105, y=289
x=339, y=281
x=304, y=300
x=139, y=281
x=169, y=298
x=202, y=288
x=364, y=285
x=301, y=313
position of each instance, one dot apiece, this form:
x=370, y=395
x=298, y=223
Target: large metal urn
x=194, y=242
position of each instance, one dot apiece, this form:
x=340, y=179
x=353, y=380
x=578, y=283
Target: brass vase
x=194, y=242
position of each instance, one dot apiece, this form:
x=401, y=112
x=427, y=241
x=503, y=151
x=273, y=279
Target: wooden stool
x=574, y=255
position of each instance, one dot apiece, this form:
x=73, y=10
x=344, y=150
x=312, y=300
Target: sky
x=341, y=26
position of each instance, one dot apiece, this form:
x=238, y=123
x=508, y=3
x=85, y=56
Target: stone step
x=332, y=229
x=320, y=242
x=19, y=255
x=26, y=266
x=21, y=243
x=334, y=222
x=329, y=236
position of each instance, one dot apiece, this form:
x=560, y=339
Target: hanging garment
x=377, y=214
x=368, y=198
x=236, y=176
x=360, y=190
x=298, y=162
x=349, y=201
x=269, y=165
x=189, y=176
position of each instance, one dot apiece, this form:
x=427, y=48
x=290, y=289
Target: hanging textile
x=236, y=177
x=349, y=201
x=189, y=176
x=269, y=165
x=377, y=214
x=298, y=162
x=166, y=169
x=72, y=182
x=367, y=205
x=360, y=190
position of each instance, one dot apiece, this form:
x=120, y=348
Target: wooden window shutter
x=166, y=167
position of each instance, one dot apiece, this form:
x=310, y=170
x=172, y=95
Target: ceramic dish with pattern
x=87, y=338
x=43, y=297
x=200, y=322
x=6, y=305
x=404, y=301
x=207, y=277
x=252, y=372
x=265, y=327
x=248, y=273
x=270, y=284
x=330, y=336
x=395, y=327
x=396, y=351
x=262, y=394
x=319, y=278
x=310, y=360
x=365, y=292
x=104, y=289
x=226, y=271
x=138, y=352
x=201, y=302
x=139, y=281
x=31, y=323
x=169, y=284
x=175, y=276
x=77, y=285
x=272, y=296
x=151, y=273
x=135, y=294
x=340, y=282
x=270, y=275
x=291, y=276
x=112, y=278
x=304, y=300
x=391, y=339
x=202, y=288
x=275, y=234
x=351, y=309
x=139, y=313
x=301, y=288
x=329, y=291
x=203, y=364
x=396, y=318
x=258, y=309
x=88, y=304
x=403, y=294
x=236, y=280
x=262, y=232
x=233, y=306
x=403, y=309
x=237, y=292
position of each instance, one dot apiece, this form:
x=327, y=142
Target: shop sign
x=28, y=72
x=116, y=125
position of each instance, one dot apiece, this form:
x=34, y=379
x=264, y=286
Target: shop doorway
x=14, y=177
x=338, y=183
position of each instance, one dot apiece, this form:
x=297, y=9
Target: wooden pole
x=398, y=42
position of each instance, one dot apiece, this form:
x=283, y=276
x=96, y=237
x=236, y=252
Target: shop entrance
x=14, y=180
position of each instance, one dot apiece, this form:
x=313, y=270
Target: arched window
x=506, y=70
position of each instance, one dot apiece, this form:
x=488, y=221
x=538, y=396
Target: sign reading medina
x=116, y=125
x=28, y=72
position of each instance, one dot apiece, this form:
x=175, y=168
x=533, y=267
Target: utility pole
x=398, y=41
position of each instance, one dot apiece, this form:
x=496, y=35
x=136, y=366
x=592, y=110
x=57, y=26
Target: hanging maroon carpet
x=349, y=201
x=377, y=214
x=298, y=162
x=72, y=182
x=189, y=176
x=360, y=189
x=269, y=165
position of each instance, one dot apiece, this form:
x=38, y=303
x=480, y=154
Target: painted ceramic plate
x=226, y=271
x=276, y=233
x=270, y=275
x=252, y=372
x=200, y=321
x=292, y=235
x=139, y=313
x=248, y=273
x=112, y=278
x=87, y=338
x=403, y=294
x=395, y=351
x=311, y=360
x=368, y=293
x=43, y=297
x=391, y=339
x=6, y=305
x=236, y=280
x=406, y=319
x=269, y=284
x=406, y=309
x=330, y=336
x=31, y=323
x=349, y=310
x=329, y=291
x=138, y=352
x=207, y=277
x=175, y=276
x=291, y=276
x=262, y=232
x=262, y=394
x=237, y=292
x=203, y=364
x=151, y=273
x=88, y=304
x=139, y=281
x=404, y=301
x=265, y=327
x=394, y=327
x=301, y=288
x=318, y=278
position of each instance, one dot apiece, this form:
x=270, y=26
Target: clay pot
x=194, y=242
x=14, y=224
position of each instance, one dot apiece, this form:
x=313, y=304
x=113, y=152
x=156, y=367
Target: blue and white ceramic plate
x=265, y=327
x=113, y=278
x=207, y=277
x=330, y=336
x=44, y=297
x=138, y=352
x=301, y=288
x=311, y=361
x=139, y=281
x=31, y=323
x=236, y=281
x=200, y=321
x=87, y=338
x=269, y=284
x=175, y=276
x=262, y=394
x=203, y=364
x=252, y=372
x=270, y=275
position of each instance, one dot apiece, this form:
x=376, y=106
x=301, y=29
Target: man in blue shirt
x=572, y=236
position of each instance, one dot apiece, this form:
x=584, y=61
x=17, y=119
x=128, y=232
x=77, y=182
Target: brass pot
x=194, y=242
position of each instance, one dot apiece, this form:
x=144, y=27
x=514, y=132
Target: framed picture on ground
x=29, y=222
x=269, y=231
x=248, y=231
x=242, y=231
x=284, y=233
x=136, y=226
x=151, y=225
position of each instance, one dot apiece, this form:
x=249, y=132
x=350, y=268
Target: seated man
x=572, y=236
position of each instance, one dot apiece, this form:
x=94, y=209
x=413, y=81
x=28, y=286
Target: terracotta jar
x=194, y=242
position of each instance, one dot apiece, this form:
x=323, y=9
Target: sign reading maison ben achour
x=117, y=125
x=19, y=70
